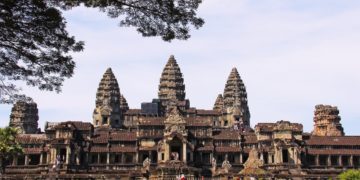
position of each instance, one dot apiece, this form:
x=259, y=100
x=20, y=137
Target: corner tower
x=24, y=117
x=171, y=85
x=327, y=121
x=235, y=101
x=109, y=102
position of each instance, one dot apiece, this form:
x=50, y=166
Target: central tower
x=172, y=87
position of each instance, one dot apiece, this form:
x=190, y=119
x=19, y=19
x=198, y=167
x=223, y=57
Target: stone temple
x=168, y=138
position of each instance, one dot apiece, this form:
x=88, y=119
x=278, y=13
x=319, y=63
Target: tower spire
x=24, y=117
x=107, y=107
x=171, y=82
x=235, y=99
x=219, y=103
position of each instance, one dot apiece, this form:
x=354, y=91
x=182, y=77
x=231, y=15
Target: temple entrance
x=62, y=155
x=176, y=149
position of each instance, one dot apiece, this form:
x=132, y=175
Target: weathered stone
x=109, y=102
x=171, y=82
x=219, y=103
x=327, y=121
x=24, y=117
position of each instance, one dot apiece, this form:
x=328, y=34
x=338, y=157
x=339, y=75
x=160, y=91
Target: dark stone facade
x=168, y=137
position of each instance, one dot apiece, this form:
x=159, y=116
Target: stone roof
x=206, y=148
x=227, y=134
x=171, y=81
x=32, y=150
x=151, y=121
x=334, y=140
x=31, y=138
x=108, y=88
x=250, y=138
x=102, y=138
x=235, y=88
x=207, y=112
x=334, y=151
x=133, y=112
x=280, y=125
x=123, y=136
x=122, y=149
x=198, y=121
x=24, y=117
x=227, y=149
x=219, y=103
x=98, y=149
x=123, y=103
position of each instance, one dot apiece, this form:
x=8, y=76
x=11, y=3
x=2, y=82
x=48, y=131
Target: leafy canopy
x=35, y=46
x=350, y=175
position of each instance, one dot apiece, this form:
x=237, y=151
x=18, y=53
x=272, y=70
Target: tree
x=35, y=46
x=8, y=145
x=350, y=175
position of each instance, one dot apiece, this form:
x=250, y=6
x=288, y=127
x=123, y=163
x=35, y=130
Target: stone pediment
x=175, y=123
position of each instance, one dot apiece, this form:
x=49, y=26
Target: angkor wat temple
x=167, y=137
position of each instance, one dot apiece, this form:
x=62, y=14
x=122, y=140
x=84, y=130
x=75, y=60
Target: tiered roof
x=219, y=103
x=108, y=91
x=171, y=81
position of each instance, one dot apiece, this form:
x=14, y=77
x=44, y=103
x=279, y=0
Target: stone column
x=136, y=157
x=340, y=160
x=351, y=161
x=68, y=153
x=241, y=158
x=184, y=153
x=329, y=160
x=15, y=160
x=150, y=156
x=26, y=159
x=122, y=158
x=317, y=160
x=107, y=158
x=262, y=156
x=41, y=158
x=48, y=160
x=98, y=158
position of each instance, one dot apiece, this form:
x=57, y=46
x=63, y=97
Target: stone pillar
x=15, y=159
x=48, y=159
x=26, y=159
x=329, y=160
x=351, y=161
x=98, y=158
x=317, y=160
x=122, y=158
x=262, y=156
x=184, y=153
x=340, y=160
x=78, y=159
x=241, y=158
x=137, y=157
x=150, y=156
x=41, y=158
x=107, y=158
x=68, y=155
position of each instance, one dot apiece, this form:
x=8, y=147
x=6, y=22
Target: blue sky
x=291, y=55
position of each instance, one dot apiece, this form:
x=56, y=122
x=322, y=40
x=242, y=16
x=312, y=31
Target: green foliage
x=350, y=175
x=8, y=144
x=169, y=19
x=35, y=46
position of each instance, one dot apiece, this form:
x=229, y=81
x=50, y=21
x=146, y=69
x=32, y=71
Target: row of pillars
x=339, y=160
x=27, y=159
